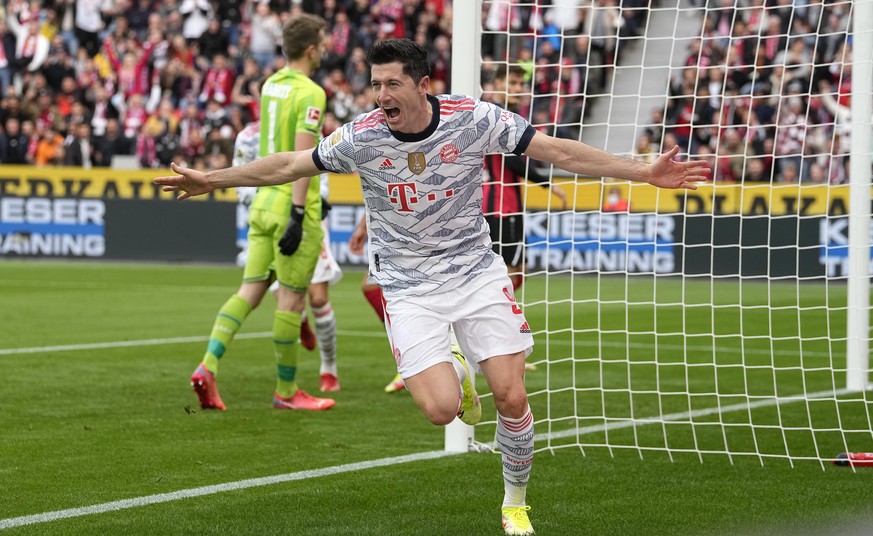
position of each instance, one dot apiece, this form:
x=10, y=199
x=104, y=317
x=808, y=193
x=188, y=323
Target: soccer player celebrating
x=285, y=233
x=420, y=161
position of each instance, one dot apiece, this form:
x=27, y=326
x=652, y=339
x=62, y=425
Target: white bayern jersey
x=423, y=192
x=247, y=144
x=245, y=149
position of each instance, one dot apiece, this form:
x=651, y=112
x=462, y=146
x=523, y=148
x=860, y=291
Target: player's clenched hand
x=189, y=182
x=290, y=241
x=665, y=173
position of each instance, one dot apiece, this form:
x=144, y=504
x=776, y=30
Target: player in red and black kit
x=502, y=197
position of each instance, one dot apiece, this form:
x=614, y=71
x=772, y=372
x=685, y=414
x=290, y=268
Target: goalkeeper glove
x=325, y=207
x=290, y=241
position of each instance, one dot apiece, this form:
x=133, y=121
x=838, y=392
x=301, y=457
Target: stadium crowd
x=175, y=80
x=764, y=94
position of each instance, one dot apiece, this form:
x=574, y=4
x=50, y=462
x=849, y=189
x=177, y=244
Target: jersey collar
x=431, y=128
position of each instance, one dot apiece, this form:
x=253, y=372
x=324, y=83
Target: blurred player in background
x=420, y=159
x=285, y=233
x=372, y=292
x=327, y=272
x=502, y=196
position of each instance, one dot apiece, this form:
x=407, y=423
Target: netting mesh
x=704, y=322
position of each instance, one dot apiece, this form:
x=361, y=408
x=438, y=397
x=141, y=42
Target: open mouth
x=392, y=113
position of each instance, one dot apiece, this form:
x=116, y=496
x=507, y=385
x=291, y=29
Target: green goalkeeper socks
x=286, y=330
x=228, y=321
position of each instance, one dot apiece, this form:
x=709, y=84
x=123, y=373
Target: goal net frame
x=850, y=376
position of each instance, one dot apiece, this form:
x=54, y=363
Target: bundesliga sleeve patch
x=313, y=114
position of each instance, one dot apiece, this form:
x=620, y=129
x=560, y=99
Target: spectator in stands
x=7, y=56
x=134, y=116
x=103, y=111
x=441, y=60
x=266, y=31
x=602, y=26
x=68, y=95
x=58, y=63
x=218, y=81
x=215, y=40
x=88, y=23
x=196, y=15
x=77, y=146
x=215, y=118
x=789, y=172
x=731, y=157
x=230, y=13
x=138, y=18
x=357, y=71
x=645, y=151
x=246, y=93
x=112, y=143
x=133, y=76
x=112, y=49
x=756, y=170
x=49, y=148
x=790, y=135
x=44, y=111
x=10, y=107
x=817, y=174
x=13, y=143
x=31, y=45
x=615, y=201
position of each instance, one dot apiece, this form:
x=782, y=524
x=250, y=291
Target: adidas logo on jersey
x=386, y=165
x=525, y=328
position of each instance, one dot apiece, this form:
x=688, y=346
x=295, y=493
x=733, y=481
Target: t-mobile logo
x=403, y=194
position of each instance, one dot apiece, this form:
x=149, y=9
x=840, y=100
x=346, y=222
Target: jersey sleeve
x=337, y=152
x=504, y=131
x=310, y=114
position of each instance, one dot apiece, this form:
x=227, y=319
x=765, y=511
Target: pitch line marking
x=368, y=334
x=114, y=506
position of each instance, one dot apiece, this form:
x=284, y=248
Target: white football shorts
x=484, y=315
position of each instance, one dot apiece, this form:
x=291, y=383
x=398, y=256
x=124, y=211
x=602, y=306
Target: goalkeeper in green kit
x=285, y=233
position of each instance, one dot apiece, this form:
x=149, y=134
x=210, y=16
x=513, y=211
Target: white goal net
x=732, y=320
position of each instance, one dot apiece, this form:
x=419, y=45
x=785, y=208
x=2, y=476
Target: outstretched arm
x=277, y=168
x=583, y=159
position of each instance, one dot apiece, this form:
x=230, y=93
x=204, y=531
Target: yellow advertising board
x=100, y=183
x=746, y=199
x=584, y=194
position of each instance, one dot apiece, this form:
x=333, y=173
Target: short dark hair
x=407, y=52
x=299, y=32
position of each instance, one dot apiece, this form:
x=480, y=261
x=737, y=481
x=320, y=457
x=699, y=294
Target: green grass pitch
x=95, y=407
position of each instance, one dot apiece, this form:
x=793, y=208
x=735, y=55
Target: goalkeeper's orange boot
x=307, y=336
x=516, y=522
x=203, y=383
x=329, y=383
x=302, y=400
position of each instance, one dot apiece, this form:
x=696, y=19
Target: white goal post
x=729, y=321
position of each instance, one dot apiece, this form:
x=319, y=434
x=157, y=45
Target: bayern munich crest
x=449, y=153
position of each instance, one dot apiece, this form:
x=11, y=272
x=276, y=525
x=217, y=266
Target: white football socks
x=515, y=437
x=325, y=332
